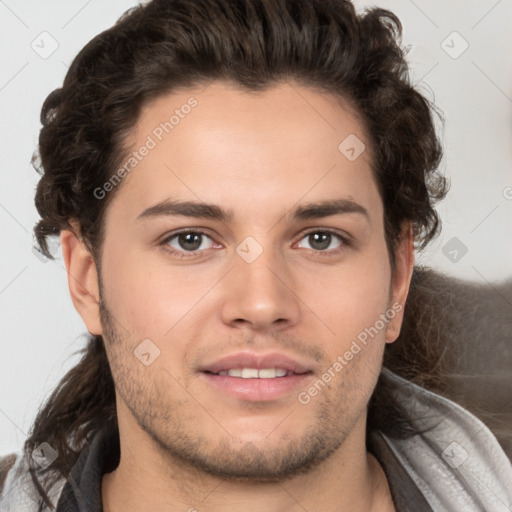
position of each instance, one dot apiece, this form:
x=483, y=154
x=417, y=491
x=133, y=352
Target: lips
x=256, y=365
x=256, y=377
x=255, y=373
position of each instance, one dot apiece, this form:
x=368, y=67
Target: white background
x=39, y=327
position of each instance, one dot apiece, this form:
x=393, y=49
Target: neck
x=145, y=479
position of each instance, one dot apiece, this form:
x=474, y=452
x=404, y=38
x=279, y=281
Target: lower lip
x=257, y=390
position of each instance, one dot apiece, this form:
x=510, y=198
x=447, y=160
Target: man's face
x=261, y=292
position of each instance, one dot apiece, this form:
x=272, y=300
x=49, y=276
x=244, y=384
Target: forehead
x=218, y=143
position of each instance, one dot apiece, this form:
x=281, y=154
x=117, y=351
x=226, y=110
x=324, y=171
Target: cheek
x=150, y=297
x=347, y=301
x=348, y=304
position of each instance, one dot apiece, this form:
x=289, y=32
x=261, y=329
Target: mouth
x=255, y=373
x=256, y=377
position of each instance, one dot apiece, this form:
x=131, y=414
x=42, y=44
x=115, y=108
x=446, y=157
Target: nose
x=259, y=295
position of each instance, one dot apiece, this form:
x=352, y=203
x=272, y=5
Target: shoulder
x=6, y=464
x=454, y=458
x=17, y=489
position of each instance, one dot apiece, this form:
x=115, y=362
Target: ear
x=82, y=279
x=400, y=281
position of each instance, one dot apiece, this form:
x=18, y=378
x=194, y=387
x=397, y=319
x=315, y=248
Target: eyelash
x=188, y=254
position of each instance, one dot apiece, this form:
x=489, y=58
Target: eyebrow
x=202, y=210
x=323, y=209
x=195, y=209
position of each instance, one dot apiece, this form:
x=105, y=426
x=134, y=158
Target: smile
x=255, y=373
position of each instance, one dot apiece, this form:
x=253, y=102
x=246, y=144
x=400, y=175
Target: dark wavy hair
x=168, y=44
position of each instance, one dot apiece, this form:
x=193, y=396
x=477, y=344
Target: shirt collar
x=82, y=491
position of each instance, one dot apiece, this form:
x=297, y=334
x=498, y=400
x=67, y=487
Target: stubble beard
x=168, y=420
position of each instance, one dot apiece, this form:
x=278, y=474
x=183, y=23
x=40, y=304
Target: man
x=239, y=188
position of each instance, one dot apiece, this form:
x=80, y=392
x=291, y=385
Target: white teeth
x=267, y=373
x=249, y=373
x=254, y=373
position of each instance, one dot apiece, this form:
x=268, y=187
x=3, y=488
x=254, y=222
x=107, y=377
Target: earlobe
x=82, y=280
x=400, y=282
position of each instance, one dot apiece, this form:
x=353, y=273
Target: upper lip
x=258, y=361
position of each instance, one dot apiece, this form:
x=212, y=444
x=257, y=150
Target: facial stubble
x=166, y=412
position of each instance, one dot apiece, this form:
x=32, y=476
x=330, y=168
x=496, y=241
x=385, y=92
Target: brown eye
x=323, y=240
x=189, y=241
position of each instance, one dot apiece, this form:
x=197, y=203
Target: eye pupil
x=190, y=241
x=323, y=240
